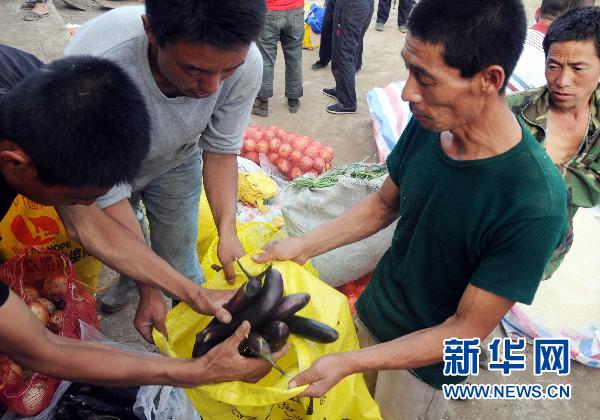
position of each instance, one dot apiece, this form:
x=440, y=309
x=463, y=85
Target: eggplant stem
x=243, y=269
x=271, y=362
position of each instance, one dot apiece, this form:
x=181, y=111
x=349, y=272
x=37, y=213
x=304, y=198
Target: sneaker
x=116, y=296
x=293, y=105
x=318, y=66
x=379, y=26
x=403, y=28
x=330, y=92
x=338, y=108
x=260, y=107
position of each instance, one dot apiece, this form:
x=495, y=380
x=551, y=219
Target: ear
x=492, y=79
x=148, y=30
x=538, y=14
x=14, y=159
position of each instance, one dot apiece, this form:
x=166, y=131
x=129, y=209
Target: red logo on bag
x=34, y=231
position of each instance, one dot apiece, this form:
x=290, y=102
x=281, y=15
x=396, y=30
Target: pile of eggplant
x=271, y=316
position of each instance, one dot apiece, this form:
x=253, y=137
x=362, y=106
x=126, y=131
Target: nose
x=564, y=78
x=411, y=92
x=211, y=84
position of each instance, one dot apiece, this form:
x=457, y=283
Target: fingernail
x=292, y=384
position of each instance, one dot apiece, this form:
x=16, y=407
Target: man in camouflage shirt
x=564, y=115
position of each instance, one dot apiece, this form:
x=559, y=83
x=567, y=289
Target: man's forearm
x=220, y=175
x=115, y=245
x=479, y=311
x=364, y=219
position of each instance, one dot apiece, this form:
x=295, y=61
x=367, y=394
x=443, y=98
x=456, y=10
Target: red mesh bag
x=354, y=289
x=291, y=153
x=28, y=269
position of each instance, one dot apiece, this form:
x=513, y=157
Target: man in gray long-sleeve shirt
x=199, y=73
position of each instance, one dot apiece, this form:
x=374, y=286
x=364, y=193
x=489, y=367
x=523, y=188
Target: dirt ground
x=352, y=138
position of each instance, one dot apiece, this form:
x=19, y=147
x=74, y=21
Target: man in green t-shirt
x=481, y=209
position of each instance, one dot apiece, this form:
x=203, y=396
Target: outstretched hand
x=323, y=375
x=283, y=250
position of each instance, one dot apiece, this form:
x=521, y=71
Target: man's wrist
x=350, y=363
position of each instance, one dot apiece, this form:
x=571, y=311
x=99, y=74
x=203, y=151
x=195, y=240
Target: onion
x=30, y=293
x=280, y=133
x=295, y=172
x=55, y=287
x=270, y=134
x=258, y=136
x=50, y=306
x=253, y=156
x=326, y=153
x=40, y=311
x=300, y=143
x=306, y=164
x=55, y=324
x=296, y=156
x=284, y=166
x=311, y=151
x=250, y=145
x=273, y=157
x=285, y=150
x=262, y=146
x=35, y=399
x=318, y=164
x=274, y=144
x=13, y=375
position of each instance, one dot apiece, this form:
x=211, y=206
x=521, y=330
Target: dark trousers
x=327, y=37
x=404, y=8
x=351, y=19
x=286, y=26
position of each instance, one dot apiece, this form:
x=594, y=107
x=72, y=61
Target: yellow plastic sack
x=270, y=398
x=207, y=230
x=312, y=40
x=30, y=224
x=255, y=187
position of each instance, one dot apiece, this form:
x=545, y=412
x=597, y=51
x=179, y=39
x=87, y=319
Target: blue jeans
x=286, y=26
x=171, y=202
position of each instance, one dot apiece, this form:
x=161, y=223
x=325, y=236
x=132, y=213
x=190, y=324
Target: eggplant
x=249, y=289
x=256, y=345
x=289, y=305
x=312, y=329
x=237, y=303
x=276, y=333
x=261, y=307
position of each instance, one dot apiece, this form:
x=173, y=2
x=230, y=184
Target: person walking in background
x=285, y=24
x=351, y=19
x=327, y=40
x=383, y=13
x=326, y=37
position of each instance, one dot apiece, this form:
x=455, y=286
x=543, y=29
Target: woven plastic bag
x=308, y=208
x=29, y=268
x=30, y=224
x=270, y=397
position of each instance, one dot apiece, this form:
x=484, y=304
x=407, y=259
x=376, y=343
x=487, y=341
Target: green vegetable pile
x=358, y=170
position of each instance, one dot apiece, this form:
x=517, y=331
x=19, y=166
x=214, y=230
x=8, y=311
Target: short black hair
x=575, y=25
x=225, y=24
x=551, y=9
x=474, y=34
x=81, y=120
